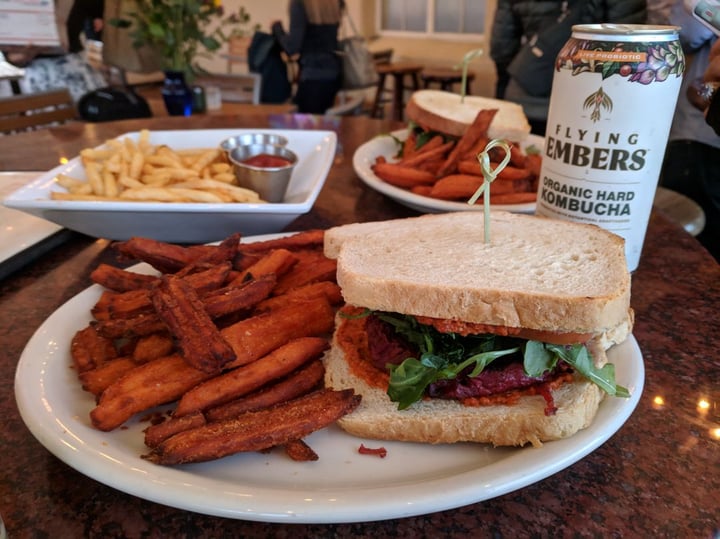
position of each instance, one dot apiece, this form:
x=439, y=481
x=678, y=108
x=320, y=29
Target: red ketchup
x=265, y=160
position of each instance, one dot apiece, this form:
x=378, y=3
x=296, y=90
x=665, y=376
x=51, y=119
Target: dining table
x=658, y=475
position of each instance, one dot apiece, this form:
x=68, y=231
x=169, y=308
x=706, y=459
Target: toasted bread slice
x=535, y=272
x=452, y=114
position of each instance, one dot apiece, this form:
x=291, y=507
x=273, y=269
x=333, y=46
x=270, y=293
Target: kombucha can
x=613, y=97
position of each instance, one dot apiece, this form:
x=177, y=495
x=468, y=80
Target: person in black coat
x=313, y=35
x=519, y=22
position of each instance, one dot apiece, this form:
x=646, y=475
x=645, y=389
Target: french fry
x=247, y=378
x=129, y=171
x=257, y=431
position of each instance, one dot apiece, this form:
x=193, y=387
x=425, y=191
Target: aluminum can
x=613, y=97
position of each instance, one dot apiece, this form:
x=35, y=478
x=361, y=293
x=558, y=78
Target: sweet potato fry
x=89, y=350
x=312, y=267
x=256, y=431
x=95, y=381
x=277, y=262
x=430, y=154
x=164, y=257
x=129, y=304
x=156, y=434
x=153, y=346
x=322, y=289
x=231, y=299
x=476, y=130
x=157, y=382
x=299, y=451
x=201, y=343
x=408, y=146
x=120, y=280
x=255, y=337
x=456, y=187
x=295, y=384
x=423, y=190
x=402, y=176
x=301, y=240
x=241, y=381
x=217, y=303
x=225, y=251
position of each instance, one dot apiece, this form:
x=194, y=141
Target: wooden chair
x=237, y=54
x=25, y=112
x=445, y=78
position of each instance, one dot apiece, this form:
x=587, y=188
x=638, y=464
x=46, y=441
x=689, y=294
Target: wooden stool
x=398, y=71
x=446, y=78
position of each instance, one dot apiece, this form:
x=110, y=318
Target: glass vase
x=178, y=96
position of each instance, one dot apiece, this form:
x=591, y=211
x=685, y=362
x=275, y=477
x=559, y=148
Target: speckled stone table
x=658, y=476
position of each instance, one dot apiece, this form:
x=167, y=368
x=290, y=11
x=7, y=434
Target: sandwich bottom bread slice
x=449, y=338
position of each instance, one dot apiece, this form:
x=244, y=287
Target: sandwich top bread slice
x=537, y=282
x=451, y=114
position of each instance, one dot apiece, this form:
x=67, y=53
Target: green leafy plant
x=180, y=31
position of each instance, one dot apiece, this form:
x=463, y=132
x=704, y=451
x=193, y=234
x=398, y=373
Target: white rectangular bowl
x=185, y=222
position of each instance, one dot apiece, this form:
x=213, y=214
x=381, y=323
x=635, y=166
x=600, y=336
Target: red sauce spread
x=353, y=339
x=265, y=160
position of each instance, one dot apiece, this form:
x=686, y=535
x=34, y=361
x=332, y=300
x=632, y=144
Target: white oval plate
x=386, y=146
x=342, y=486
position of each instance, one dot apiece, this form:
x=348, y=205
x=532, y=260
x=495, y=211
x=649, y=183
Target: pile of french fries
x=231, y=335
x=447, y=168
x=127, y=170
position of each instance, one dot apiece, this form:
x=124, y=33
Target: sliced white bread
x=449, y=113
x=448, y=421
x=535, y=273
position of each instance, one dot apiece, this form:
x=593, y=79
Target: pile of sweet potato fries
x=232, y=334
x=447, y=168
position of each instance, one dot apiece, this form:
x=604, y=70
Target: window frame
x=430, y=24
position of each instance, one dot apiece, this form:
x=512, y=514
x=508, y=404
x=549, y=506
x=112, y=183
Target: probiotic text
x=613, y=97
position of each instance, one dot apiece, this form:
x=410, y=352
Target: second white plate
x=386, y=146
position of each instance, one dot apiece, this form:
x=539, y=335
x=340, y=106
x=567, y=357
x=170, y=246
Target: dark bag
x=265, y=58
x=534, y=65
x=358, y=65
x=107, y=104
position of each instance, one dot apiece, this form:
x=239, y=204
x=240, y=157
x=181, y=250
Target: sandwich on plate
x=437, y=111
x=450, y=338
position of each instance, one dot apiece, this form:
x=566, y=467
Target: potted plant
x=180, y=32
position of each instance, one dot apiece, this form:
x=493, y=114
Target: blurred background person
x=85, y=19
x=58, y=68
x=313, y=35
x=526, y=37
x=692, y=158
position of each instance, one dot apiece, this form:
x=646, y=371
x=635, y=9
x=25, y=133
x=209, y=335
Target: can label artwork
x=612, y=103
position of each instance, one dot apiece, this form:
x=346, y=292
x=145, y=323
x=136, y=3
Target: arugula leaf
x=443, y=356
x=580, y=359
